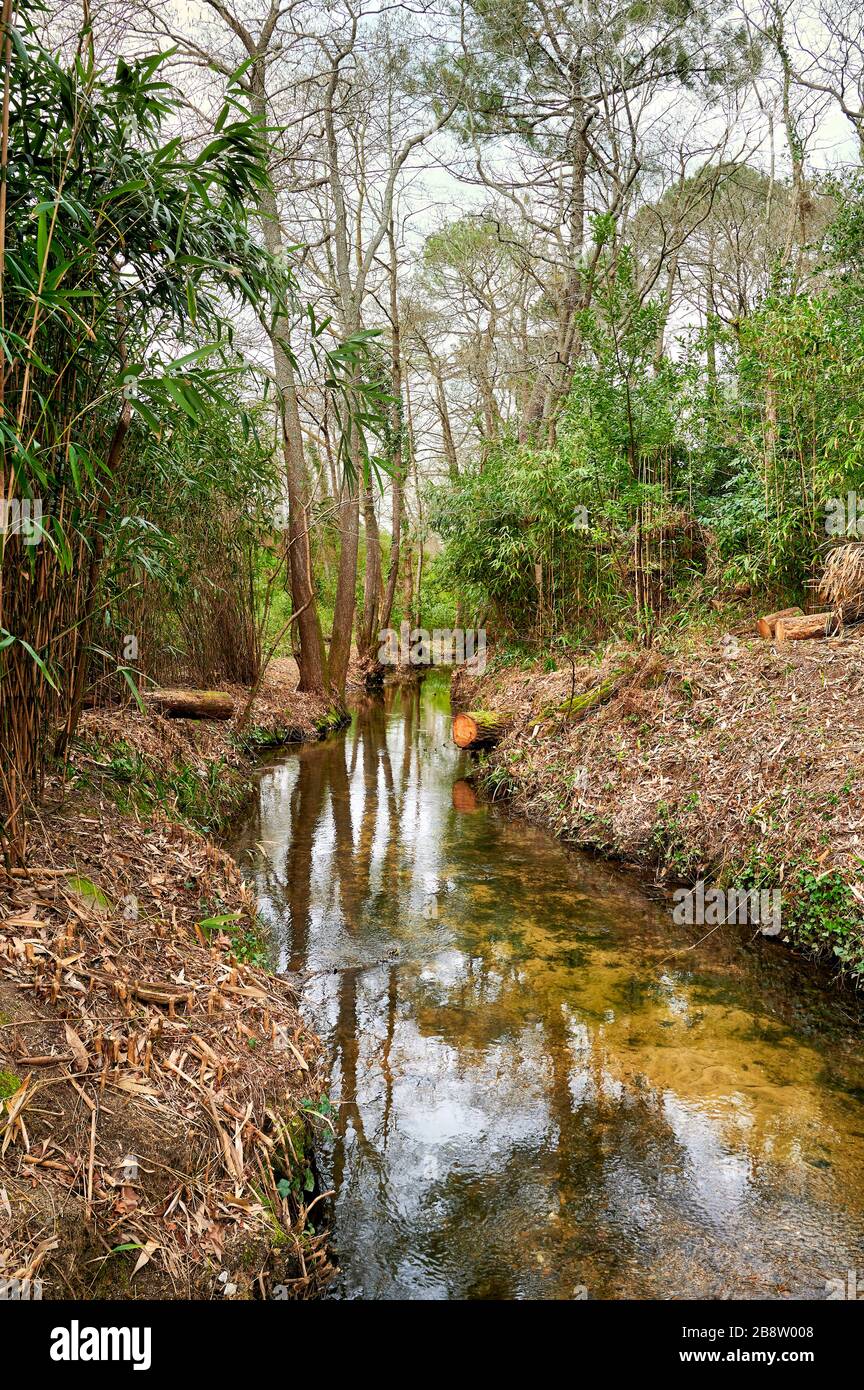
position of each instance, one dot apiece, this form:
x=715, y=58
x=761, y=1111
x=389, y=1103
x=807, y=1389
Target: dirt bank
x=198, y=771
x=159, y=1090
x=741, y=764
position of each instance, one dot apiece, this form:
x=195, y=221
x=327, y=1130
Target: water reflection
x=540, y=1084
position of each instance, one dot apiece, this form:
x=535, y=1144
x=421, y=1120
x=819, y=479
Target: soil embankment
x=159, y=1090
x=740, y=765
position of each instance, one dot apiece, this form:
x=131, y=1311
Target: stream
x=543, y=1088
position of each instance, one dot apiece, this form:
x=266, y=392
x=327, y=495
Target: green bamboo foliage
x=122, y=260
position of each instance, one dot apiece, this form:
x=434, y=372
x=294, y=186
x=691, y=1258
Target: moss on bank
x=333, y=719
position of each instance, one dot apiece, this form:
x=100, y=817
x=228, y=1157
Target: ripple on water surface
x=542, y=1084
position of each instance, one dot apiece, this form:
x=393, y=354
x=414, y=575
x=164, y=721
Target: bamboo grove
x=124, y=260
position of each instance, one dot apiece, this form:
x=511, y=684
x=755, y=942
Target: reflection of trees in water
x=537, y=1030
x=345, y=1037
x=546, y=1218
x=353, y=869
x=486, y=1006
x=307, y=801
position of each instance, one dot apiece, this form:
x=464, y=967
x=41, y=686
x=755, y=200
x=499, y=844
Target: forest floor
x=739, y=764
x=159, y=1090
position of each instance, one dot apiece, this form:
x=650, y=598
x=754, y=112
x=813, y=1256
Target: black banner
x=229, y=1338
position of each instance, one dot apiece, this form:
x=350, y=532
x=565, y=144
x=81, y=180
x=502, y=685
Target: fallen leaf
x=77, y=1048
x=149, y=1250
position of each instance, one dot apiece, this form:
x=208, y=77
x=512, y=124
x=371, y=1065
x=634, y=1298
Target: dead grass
x=158, y=1084
x=842, y=582
x=742, y=761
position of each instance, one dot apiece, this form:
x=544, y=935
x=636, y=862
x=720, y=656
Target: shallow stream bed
x=542, y=1087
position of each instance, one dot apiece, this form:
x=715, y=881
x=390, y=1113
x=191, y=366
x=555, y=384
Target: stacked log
x=767, y=625
x=804, y=628
x=480, y=728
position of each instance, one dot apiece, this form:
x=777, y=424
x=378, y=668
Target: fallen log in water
x=480, y=728
x=768, y=624
x=191, y=704
x=800, y=629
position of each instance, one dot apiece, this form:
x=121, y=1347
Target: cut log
x=767, y=625
x=480, y=728
x=191, y=704
x=800, y=629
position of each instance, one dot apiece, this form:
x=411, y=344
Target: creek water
x=543, y=1088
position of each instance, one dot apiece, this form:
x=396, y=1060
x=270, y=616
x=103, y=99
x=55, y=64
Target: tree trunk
x=711, y=326
x=368, y=643
x=408, y=579
x=312, y=660
x=346, y=580
x=665, y=309
x=397, y=461
x=796, y=223
x=351, y=299
x=446, y=427
x=553, y=382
